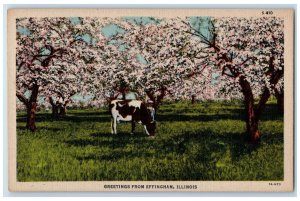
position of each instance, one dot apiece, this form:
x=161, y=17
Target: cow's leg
x=112, y=126
x=146, y=130
x=132, y=127
x=115, y=125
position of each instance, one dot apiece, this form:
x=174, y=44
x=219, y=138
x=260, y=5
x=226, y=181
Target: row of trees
x=176, y=58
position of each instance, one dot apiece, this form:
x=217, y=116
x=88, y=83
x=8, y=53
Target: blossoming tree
x=60, y=57
x=48, y=48
x=158, y=57
x=249, y=55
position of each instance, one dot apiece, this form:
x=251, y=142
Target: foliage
x=161, y=58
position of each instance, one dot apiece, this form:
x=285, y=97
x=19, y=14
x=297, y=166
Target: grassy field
x=204, y=141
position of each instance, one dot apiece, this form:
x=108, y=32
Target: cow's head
x=151, y=128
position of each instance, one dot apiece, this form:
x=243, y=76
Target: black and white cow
x=134, y=111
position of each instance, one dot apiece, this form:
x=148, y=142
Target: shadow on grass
x=89, y=113
x=119, y=135
x=51, y=129
x=206, y=142
x=270, y=113
x=241, y=148
x=200, y=118
x=78, y=112
x=114, y=156
x=71, y=118
x=109, y=140
x=79, y=119
x=201, y=146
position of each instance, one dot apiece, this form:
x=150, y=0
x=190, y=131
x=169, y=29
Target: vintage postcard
x=151, y=100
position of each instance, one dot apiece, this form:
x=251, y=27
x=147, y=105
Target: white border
x=3, y=103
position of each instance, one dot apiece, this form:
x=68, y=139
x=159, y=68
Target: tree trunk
x=55, y=107
x=55, y=111
x=280, y=100
x=157, y=100
x=123, y=95
x=262, y=102
x=252, y=123
x=32, y=108
x=63, y=110
x=193, y=99
x=31, y=111
x=251, y=118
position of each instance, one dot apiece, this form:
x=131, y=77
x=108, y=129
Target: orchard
x=216, y=85
x=176, y=59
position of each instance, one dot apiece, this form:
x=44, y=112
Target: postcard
x=151, y=100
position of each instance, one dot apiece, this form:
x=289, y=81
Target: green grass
x=204, y=141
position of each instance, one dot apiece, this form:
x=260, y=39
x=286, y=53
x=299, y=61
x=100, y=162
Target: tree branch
x=22, y=98
x=51, y=101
